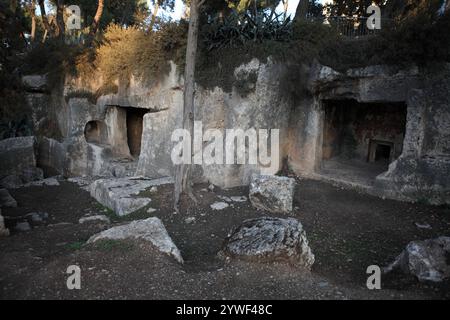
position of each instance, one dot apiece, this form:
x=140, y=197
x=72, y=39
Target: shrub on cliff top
x=130, y=51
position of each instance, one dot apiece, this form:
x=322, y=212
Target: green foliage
x=77, y=245
x=14, y=112
x=238, y=28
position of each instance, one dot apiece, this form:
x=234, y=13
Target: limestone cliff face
x=95, y=138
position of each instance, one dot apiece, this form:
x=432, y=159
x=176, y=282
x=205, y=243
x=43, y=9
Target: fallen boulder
x=121, y=194
x=428, y=260
x=151, y=229
x=270, y=239
x=6, y=200
x=272, y=193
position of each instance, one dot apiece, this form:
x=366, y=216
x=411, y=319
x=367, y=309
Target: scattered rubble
x=151, y=229
x=428, y=260
x=270, y=239
x=52, y=181
x=272, y=193
x=121, y=195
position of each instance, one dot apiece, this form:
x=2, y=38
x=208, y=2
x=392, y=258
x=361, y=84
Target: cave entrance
x=96, y=132
x=360, y=140
x=135, y=121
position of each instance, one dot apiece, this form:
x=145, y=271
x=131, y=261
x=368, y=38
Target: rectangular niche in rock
x=361, y=139
x=135, y=120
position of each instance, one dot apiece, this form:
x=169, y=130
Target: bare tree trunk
x=97, y=17
x=154, y=14
x=33, y=20
x=302, y=10
x=44, y=19
x=61, y=27
x=183, y=171
x=285, y=7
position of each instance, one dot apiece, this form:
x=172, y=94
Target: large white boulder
x=151, y=229
x=272, y=193
x=270, y=239
x=428, y=260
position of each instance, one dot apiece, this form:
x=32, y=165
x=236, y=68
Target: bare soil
x=348, y=231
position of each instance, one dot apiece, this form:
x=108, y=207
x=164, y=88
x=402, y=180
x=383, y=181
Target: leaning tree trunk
x=154, y=14
x=33, y=20
x=302, y=10
x=61, y=27
x=97, y=17
x=182, y=171
x=44, y=19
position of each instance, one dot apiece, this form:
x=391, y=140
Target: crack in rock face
x=270, y=239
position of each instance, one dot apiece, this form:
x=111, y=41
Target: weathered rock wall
x=421, y=171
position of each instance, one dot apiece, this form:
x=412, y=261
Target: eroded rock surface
x=270, y=239
x=3, y=231
x=428, y=260
x=6, y=200
x=151, y=229
x=121, y=195
x=18, y=161
x=272, y=193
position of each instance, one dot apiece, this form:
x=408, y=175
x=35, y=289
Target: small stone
x=3, y=231
x=423, y=225
x=219, y=205
x=96, y=218
x=153, y=189
x=189, y=220
x=224, y=198
x=37, y=217
x=22, y=227
x=238, y=198
x=151, y=210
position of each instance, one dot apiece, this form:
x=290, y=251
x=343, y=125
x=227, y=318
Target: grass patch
x=78, y=245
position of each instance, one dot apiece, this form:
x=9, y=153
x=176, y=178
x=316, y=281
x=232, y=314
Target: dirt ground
x=347, y=231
